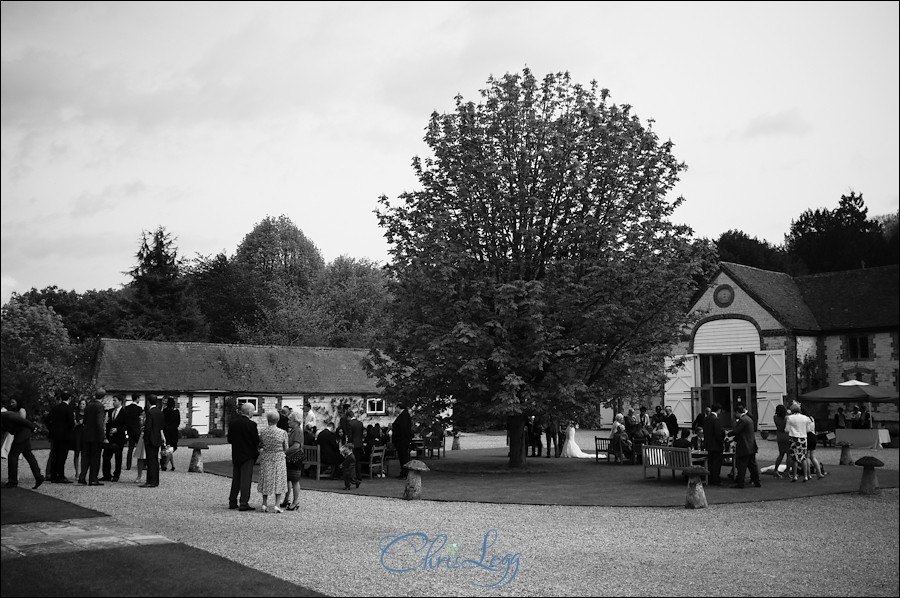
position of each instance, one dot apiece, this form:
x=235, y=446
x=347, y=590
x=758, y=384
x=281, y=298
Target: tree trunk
x=518, y=444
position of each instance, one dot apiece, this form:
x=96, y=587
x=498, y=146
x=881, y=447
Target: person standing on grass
x=401, y=436
x=550, y=423
x=61, y=430
x=171, y=423
x=782, y=438
x=16, y=423
x=243, y=436
x=714, y=434
x=796, y=427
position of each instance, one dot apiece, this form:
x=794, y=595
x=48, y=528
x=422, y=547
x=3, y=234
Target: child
x=348, y=466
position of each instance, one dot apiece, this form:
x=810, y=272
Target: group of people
x=859, y=418
x=631, y=431
x=795, y=431
x=96, y=436
x=279, y=450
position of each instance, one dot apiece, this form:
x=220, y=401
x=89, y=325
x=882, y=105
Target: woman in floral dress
x=273, y=442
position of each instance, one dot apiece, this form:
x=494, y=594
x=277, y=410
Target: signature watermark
x=409, y=552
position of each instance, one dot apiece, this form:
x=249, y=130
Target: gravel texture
x=837, y=545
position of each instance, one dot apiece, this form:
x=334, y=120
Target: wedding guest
x=16, y=423
x=243, y=436
x=714, y=437
x=60, y=428
x=294, y=458
x=782, y=438
x=134, y=416
x=171, y=423
x=815, y=466
x=154, y=438
x=78, y=441
x=273, y=443
x=94, y=435
x=796, y=426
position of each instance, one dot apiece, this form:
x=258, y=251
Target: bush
x=217, y=432
x=190, y=433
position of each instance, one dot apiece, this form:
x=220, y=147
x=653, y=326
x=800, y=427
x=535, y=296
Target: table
x=870, y=439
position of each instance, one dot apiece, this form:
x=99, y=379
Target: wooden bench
x=311, y=459
x=601, y=445
x=668, y=457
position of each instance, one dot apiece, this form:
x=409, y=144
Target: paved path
x=44, y=537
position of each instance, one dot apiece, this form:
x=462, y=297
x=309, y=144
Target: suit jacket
x=153, y=426
x=329, y=451
x=401, y=429
x=60, y=422
x=18, y=426
x=356, y=433
x=94, y=422
x=713, y=433
x=243, y=436
x=744, y=436
x=672, y=424
x=132, y=420
x=118, y=437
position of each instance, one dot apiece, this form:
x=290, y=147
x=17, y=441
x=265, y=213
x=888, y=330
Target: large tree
x=156, y=302
x=840, y=239
x=538, y=263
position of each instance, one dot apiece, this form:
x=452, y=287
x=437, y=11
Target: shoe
x=278, y=510
x=95, y=484
x=38, y=482
x=284, y=504
x=293, y=507
x=346, y=487
x=232, y=507
x=264, y=509
x=115, y=479
x=357, y=483
x=247, y=508
x=138, y=481
x=806, y=479
x=793, y=478
x=82, y=482
x=757, y=484
x=105, y=479
x=148, y=485
x=65, y=481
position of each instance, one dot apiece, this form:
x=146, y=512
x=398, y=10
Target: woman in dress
x=796, y=426
x=171, y=423
x=273, y=443
x=570, y=449
x=294, y=468
x=660, y=434
x=781, y=436
x=815, y=466
x=140, y=453
x=78, y=443
x=617, y=435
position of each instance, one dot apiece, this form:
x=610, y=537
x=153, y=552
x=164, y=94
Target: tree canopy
x=538, y=261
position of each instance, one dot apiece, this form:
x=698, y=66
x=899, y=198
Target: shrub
x=190, y=433
x=218, y=433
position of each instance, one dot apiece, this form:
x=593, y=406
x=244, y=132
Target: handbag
x=295, y=459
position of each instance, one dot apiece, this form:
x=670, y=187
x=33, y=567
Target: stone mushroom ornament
x=196, y=465
x=414, y=469
x=845, y=453
x=869, y=482
x=696, y=497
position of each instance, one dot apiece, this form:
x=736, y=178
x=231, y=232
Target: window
x=857, y=347
x=375, y=407
x=252, y=400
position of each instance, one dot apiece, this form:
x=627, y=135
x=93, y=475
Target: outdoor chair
x=376, y=463
x=436, y=444
x=311, y=459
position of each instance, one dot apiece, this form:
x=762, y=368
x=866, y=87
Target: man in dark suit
x=745, y=449
x=153, y=440
x=671, y=423
x=357, y=433
x=550, y=423
x=344, y=422
x=401, y=436
x=132, y=414
x=243, y=436
x=61, y=429
x=115, y=440
x=94, y=432
x=714, y=434
x=329, y=451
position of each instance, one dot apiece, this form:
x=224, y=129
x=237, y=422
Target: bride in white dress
x=571, y=449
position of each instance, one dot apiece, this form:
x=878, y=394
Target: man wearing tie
x=401, y=436
x=115, y=440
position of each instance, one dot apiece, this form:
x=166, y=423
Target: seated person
x=660, y=434
x=639, y=437
x=684, y=441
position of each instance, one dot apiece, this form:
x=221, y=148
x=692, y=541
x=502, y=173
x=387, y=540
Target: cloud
x=788, y=122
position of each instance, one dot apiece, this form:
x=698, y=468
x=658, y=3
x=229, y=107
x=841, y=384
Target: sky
x=206, y=118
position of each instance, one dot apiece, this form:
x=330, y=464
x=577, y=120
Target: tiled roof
x=777, y=292
x=126, y=365
x=849, y=300
x=854, y=299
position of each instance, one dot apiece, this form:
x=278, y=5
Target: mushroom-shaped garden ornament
x=696, y=497
x=414, y=469
x=196, y=465
x=869, y=482
x=846, y=459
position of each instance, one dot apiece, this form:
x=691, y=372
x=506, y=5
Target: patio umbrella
x=852, y=390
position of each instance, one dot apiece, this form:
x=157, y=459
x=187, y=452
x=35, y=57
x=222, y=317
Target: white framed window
x=375, y=407
x=252, y=400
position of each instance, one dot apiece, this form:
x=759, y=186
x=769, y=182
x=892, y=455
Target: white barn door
x=771, y=386
x=678, y=389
